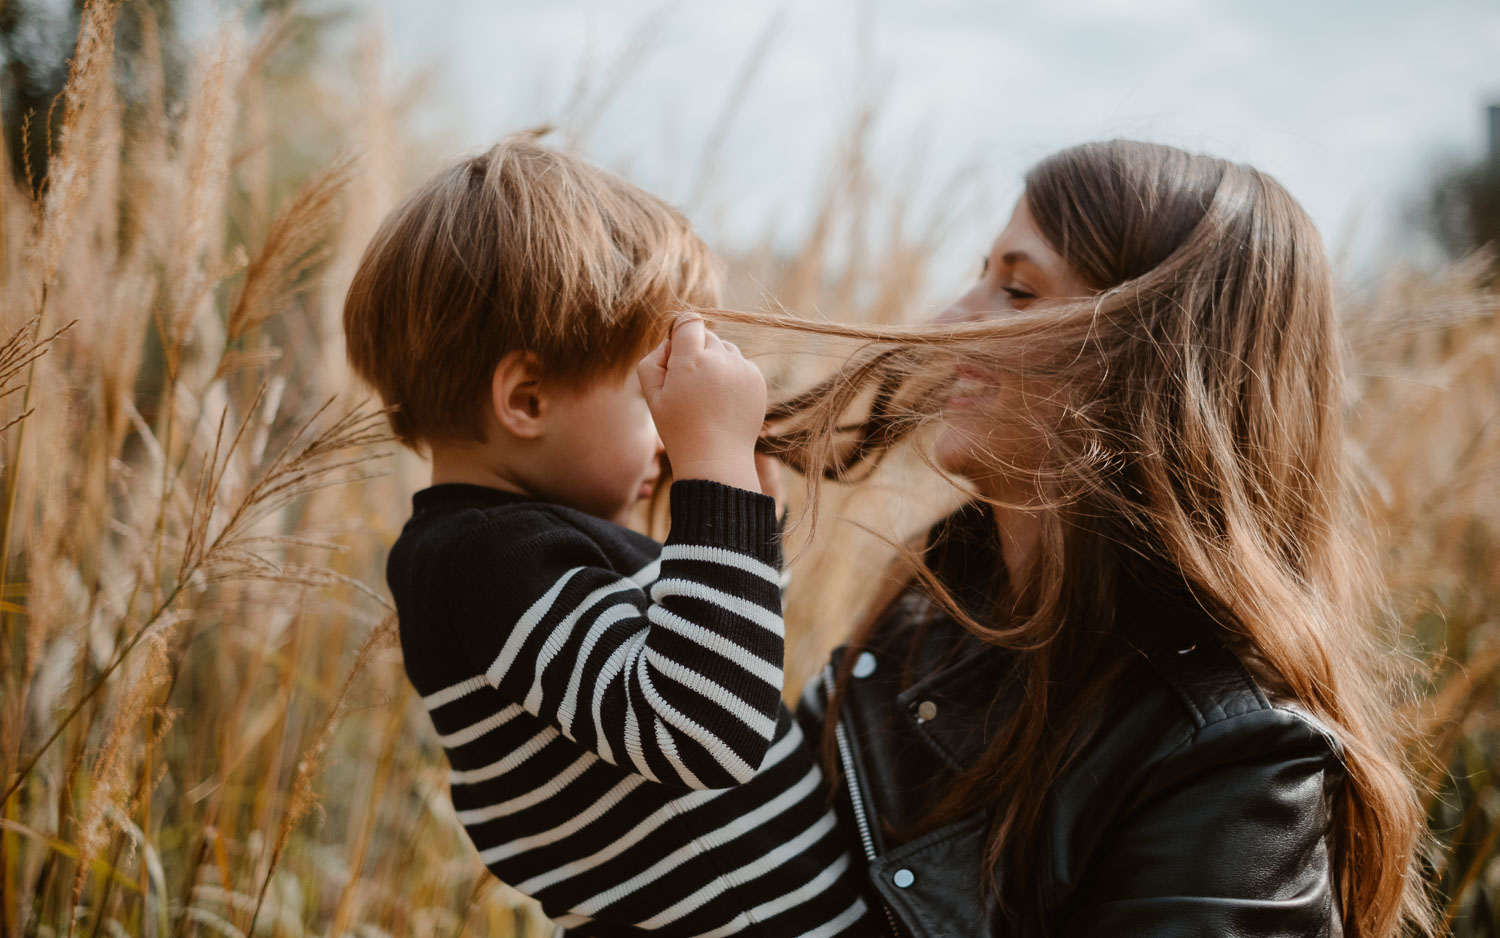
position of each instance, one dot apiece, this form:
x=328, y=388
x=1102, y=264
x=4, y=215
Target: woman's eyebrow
x=1012, y=258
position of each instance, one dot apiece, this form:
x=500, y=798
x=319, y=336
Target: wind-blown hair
x=1191, y=420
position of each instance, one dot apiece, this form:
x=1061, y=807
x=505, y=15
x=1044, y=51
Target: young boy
x=610, y=706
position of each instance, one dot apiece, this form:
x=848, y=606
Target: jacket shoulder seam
x=1208, y=680
x=1196, y=735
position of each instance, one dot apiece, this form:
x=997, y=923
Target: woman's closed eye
x=1016, y=293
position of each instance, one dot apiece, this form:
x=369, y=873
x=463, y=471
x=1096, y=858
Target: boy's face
x=603, y=452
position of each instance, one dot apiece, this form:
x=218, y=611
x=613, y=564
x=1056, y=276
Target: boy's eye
x=1017, y=293
x=984, y=265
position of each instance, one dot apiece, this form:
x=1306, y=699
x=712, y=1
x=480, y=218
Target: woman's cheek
x=985, y=440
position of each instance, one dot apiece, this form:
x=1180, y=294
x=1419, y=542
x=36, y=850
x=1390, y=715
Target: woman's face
x=1021, y=271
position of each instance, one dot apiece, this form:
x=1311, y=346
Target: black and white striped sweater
x=611, y=709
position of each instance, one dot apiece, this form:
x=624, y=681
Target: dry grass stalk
x=109, y=780
x=302, y=797
x=88, y=102
x=207, y=132
x=17, y=353
x=297, y=242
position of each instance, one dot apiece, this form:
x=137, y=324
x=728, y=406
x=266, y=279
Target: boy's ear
x=516, y=395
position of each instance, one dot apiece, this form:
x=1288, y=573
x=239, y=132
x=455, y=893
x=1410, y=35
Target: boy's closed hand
x=708, y=402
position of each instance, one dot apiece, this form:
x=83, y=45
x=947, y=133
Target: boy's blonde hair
x=522, y=247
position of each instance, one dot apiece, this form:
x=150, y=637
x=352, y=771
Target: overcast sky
x=1347, y=103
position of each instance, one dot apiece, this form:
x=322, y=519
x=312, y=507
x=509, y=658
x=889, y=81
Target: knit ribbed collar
x=461, y=494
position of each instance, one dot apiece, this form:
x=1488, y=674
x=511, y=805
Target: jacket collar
x=952, y=704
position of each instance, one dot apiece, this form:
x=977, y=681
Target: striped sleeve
x=673, y=671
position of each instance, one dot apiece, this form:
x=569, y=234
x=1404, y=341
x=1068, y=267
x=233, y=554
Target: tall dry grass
x=197, y=646
x=204, y=727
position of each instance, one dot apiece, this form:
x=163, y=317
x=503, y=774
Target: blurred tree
x=36, y=41
x=1462, y=209
x=1464, y=212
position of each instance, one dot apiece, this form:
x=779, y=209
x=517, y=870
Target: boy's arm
x=682, y=686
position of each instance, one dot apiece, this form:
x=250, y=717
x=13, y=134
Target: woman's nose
x=956, y=312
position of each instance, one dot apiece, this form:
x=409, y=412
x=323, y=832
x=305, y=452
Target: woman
x=1131, y=688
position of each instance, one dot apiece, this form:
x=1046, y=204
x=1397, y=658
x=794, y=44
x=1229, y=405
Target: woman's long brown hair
x=1191, y=414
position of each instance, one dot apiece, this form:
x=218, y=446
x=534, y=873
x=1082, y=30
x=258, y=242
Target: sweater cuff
x=719, y=515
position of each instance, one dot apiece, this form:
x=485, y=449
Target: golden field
x=204, y=727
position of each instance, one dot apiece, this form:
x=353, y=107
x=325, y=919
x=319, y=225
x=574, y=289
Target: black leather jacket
x=1200, y=807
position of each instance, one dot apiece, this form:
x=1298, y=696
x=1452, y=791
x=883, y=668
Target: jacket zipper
x=846, y=759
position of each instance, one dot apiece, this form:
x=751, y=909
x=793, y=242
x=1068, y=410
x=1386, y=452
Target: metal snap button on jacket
x=864, y=665
x=903, y=878
x=926, y=710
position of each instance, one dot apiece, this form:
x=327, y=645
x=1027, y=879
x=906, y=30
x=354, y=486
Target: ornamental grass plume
x=109, y=792
x=159, y=458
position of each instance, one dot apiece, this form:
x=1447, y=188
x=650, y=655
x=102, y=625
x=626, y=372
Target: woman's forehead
x=1021, y=242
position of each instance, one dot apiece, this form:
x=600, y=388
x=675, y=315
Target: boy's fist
x=708, y=402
